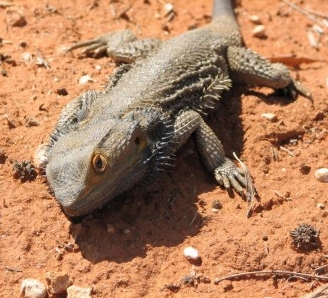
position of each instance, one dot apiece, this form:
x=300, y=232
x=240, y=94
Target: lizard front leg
x=226, y=173
x=122, y=46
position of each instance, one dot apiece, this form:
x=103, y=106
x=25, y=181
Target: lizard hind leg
x=122, y=46
x=248, y=67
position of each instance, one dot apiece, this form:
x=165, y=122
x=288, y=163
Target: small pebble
x=62, y=91
x=78, y=292
x=31, y=122
x=168, y=8
x=321, y=206
x=57, y=282
x=27, y=57
x=259, y=31
x=318, y=29
x=313, y=40
x=15, y=17
x=2, y=153
x=32, y=288
x=3, y=72
x=215, y=210
x=305, y=169
x=191, y=253
x=23, y=44
x=321, y=175
x=270, y=116
x=255, y=19
x=85, y=79
x=216, y=204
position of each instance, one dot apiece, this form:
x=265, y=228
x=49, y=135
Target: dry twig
x=307, y=12
x=272, y=272
x=301, y=10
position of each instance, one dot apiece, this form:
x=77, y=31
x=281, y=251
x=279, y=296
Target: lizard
x=106, y=142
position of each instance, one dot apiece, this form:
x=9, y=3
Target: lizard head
x=87, y=168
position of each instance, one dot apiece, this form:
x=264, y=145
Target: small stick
x=4, y=4
x=112, y=8
x=42, y=61
x=193, y=219
x=279, y=195
x=301, y=10
x=306, y=12
x=317, y=270
x=13, y=269
x=273, y=272
x=288, y=151
x=274, y=154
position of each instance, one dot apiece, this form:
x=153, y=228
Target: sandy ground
x=134, y=246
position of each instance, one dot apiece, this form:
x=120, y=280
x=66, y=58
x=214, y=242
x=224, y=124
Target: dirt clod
x=305, y=237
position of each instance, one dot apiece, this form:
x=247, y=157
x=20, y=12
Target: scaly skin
x=107, y=141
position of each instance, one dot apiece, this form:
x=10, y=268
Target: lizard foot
x=230, y=176
x=294, y=89
x=103, y=44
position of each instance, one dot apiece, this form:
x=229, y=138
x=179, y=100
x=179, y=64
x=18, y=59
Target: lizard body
x=105, y=142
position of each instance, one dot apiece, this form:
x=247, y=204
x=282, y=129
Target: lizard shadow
x=163, y=213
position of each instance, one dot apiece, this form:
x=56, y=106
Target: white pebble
x=259, y=31
x=255, y=19
x=270, y=116
x=78, y=292
x=85, y=79
x=313, y=39
x=32, y=288
x=321, y=206
x=321, y=175
x=318, y=29
x=191, y=253
x=168, y=7
x=27, y=57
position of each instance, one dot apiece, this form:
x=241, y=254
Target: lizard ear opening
x=137, y=140
x=99, y=163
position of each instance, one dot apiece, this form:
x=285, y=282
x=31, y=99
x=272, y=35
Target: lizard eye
x=99, y=163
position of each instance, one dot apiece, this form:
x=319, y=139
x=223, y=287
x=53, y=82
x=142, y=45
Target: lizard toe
x=231, y=177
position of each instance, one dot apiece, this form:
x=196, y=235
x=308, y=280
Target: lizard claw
x=105, y=43
x=294, y=89
x=230, y=176
x=94, y=47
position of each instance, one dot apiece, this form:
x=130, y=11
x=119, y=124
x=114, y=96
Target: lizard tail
x=224, y=8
